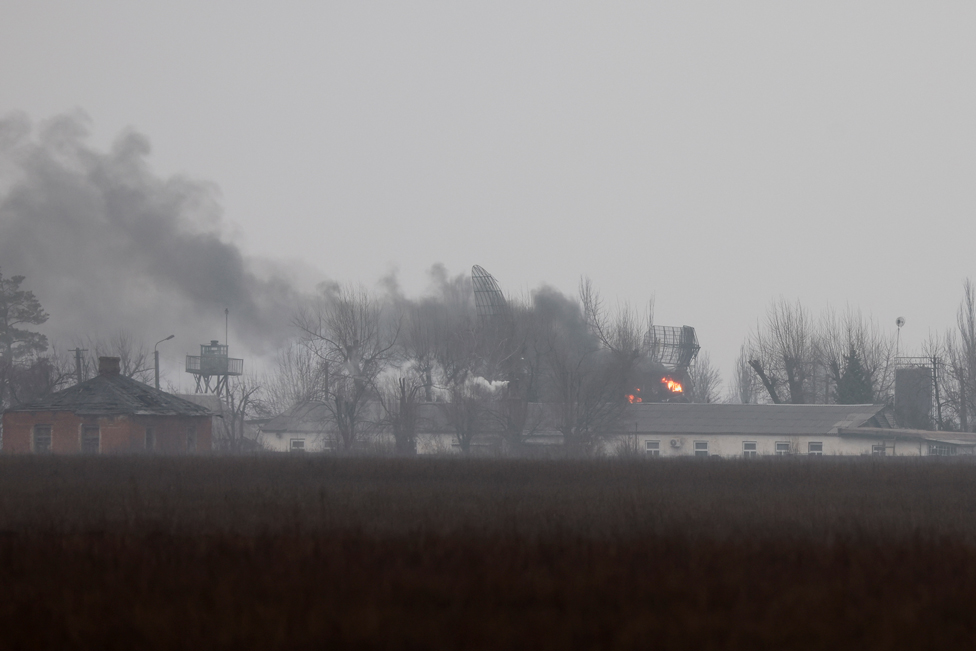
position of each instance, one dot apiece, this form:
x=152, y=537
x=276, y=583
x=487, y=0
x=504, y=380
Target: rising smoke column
x=106, y=244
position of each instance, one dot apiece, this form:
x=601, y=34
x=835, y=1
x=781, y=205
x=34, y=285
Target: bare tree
x=782, y=352
x=399, y=399
x=704, y=380
x=510, y=415
x=35, y=376
x=798, y=360
x=955, y=365
x=963, y=356
x=426, y=325
x=299, y=376
x=840, y=337
x=460, y=359
x=466, y=412
x=625, y=330
x=490, y=370
x=744, y=388
x=348, y=330
x=242, y=404
x=590, y=363
x=135, y=359
x=588, y=395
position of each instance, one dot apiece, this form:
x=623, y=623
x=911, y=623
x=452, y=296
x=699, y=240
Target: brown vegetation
x=445, y=553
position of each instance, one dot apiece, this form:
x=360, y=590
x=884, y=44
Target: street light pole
x=156, y=357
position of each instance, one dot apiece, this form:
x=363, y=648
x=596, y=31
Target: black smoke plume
x=108, y=245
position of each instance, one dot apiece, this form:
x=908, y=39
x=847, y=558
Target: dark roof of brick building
x=113, y=394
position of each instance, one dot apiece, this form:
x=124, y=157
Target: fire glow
x=634, y=397
x=672, y=385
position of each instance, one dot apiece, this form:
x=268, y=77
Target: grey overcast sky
x=714, y=155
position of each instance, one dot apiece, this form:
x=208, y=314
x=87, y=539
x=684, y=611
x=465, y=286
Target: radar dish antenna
x=674, y=347
x=488, y=297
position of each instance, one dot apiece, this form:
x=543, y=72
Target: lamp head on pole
x=162, y=340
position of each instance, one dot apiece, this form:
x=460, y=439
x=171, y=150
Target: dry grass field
x=312, y=552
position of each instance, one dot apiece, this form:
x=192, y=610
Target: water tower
x=212, y=368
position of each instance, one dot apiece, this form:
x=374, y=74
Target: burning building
x=668, y=351
x=663, y=375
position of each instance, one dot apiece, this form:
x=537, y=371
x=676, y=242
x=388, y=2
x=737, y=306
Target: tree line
x=793, y=356
x=370, y=359
x=32, y=367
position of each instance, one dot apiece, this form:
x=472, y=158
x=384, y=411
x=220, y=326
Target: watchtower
x=212, y=368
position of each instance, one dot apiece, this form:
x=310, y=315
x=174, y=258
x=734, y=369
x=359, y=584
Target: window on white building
x=41, y=439
x=782, y=448
x=815, y=449
x=653, y=448
x=701, y=448
x=90, y=439
x=297, y=445
x=749, y=449
x=942, y=449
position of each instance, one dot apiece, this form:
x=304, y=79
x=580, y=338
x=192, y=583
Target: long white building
x=661, y=429
x=688, y=429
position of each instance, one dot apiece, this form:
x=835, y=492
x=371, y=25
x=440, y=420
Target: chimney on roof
x=108, y=365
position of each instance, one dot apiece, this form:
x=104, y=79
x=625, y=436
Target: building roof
x=307, y=417
x=208, y=401
x=718, y=418
x=113, y=394
x=931, y=436
x=647, y=418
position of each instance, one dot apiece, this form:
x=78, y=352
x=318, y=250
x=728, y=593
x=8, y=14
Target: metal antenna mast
x=79, y=363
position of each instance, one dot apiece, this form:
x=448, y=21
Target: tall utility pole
x=156, y=357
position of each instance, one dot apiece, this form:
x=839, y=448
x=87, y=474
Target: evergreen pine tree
x=19, y=307
x=19, y=347
x=854, y=387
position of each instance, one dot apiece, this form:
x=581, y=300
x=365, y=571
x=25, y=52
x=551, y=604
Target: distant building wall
x=295, y=441
x=117, y=434
x=733, y=445
x=716, y=445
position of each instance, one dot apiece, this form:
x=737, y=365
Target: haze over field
x=714, y=156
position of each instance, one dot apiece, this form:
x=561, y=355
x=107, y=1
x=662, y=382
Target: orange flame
x=633, y=397
x=672, y=385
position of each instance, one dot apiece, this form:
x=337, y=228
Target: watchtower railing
x=213, y=365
